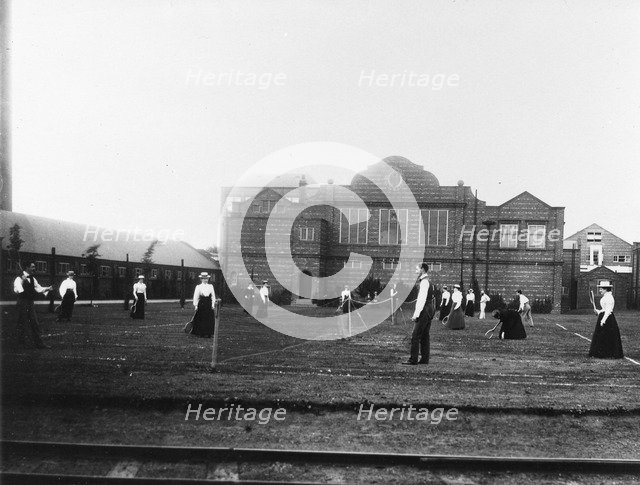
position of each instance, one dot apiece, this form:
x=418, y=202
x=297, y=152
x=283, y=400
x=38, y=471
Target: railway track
x=34, y=462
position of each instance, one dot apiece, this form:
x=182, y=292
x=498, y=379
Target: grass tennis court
x=105, y=354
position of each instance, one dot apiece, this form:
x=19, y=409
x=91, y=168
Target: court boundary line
x=589, y=340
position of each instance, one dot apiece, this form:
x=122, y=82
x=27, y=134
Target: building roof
x=594, y=227
x=40, y=234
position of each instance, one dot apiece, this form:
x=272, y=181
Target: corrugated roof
x=40, y=234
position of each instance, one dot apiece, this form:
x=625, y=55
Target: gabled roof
x=40, y=234
x=595, y=226
x=601, y=269
x=526, y=193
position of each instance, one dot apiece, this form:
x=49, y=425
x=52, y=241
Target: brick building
x=602, y=256
x=119, y=263
x=521, y=248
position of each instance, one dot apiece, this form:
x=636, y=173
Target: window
x=122, y=271
x=508, y=235
x=13, y=266
x=565, y=290
x=192, y=274
x=167, y=274
x=595, y=255
x=138, y=271
x=536, y=236
x=594, y=236
x=307, y=233
x=392, y=227
x=435, y=266
x=179, y=275
x=41, y=266
x=263, y=206
x=390, y=264
x=63, y=268
x=434, y=227
x=233, y=204
x=358, y=231
x=354, y=264
x=622, y=259
x=83, y=269
x=154, y=273
x=105, y=271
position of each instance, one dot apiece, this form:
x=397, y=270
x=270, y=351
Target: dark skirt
x=606, y=342
x=66, y=307
x=456, y=319
x=138, y=308
x=512, y=328
x=263, y=308
x=347, y=306
x=204, y=321
x=445, y=310
x=470, y=308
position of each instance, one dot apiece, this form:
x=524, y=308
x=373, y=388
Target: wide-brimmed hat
x=265, y=281
x=445, y=287
x=456, y=286
x=71, y=273
x=605, y=284
x=204, y=274
x=141, y=276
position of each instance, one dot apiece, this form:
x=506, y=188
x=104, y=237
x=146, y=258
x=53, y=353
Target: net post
x=393, y=314
x=216, y=331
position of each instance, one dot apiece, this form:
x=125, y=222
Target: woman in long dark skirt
x=140, y=297
x=606, y=342
x=511, y=325
x=471, y=301
x=69, y=293
x=455, y=321
x=204, y=300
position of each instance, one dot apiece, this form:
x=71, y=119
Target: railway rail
x=85, y=463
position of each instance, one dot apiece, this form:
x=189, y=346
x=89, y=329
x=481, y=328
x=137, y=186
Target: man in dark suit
x=26, y=288
x=422, y=316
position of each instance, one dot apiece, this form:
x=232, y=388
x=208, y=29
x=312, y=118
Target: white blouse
x=140, y=288
x=523, y=301
x=607, y=302
x=445, y=297
x=264, y=294
x=456, y=298
x=484, y=299
x=345, y=295
x=68, y=284
x=203, y=290
x=471, y=297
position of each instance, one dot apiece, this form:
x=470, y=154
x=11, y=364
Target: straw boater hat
x=141, y=276
x=71, y=273
x=204, y=274
x=605, y=284
x=456, y=286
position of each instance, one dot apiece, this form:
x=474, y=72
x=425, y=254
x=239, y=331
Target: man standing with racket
x=26, y=288
x=422, y=316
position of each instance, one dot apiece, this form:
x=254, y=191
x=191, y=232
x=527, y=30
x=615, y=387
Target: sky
x=133, y=114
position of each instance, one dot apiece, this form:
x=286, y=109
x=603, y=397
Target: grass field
x=132, y=380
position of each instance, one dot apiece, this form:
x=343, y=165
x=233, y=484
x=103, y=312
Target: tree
x=15, y=243
x=91, y=256
x=147, y=258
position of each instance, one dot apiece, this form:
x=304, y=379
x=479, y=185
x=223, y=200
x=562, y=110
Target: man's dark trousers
x=420, y=342
x=27, y=316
